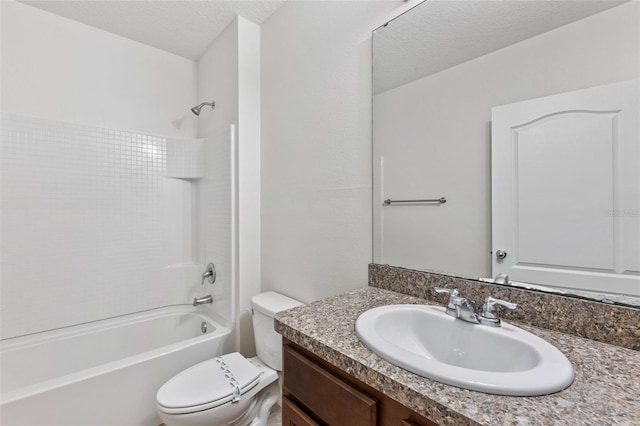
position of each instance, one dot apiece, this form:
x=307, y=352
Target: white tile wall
x=91, y=227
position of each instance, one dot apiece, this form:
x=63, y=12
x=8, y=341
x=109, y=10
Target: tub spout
x=202, y=300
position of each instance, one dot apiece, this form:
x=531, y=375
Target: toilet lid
x=211, y=383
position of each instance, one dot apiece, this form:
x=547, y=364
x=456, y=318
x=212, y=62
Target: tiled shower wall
x=91, y=227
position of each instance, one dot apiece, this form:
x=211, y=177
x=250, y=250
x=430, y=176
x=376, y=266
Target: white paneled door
x=566, y=189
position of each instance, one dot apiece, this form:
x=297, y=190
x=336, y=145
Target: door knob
x=501, y=254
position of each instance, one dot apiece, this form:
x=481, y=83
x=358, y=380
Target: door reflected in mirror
x=565, y=168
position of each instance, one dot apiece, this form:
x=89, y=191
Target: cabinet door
x=331, y=399
x=294, y=416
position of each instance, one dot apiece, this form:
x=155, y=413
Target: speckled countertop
x=605, y=391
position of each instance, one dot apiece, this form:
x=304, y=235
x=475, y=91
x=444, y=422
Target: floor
x=275, y=418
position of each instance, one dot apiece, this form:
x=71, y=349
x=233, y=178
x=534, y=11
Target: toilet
x=231, y=389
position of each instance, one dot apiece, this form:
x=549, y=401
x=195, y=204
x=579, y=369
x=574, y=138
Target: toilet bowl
x=230, y=389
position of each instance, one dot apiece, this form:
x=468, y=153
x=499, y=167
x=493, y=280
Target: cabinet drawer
x=330, y=398
x=294, y=416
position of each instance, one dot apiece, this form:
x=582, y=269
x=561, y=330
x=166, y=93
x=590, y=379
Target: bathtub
x=104, y=373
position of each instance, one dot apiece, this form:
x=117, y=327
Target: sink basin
x=499, y=360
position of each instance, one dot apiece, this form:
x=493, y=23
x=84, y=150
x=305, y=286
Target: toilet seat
x=208, y=384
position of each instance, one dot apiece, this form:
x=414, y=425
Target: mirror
x=440, y=73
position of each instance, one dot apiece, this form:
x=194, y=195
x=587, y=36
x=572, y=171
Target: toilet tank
x=264, y=306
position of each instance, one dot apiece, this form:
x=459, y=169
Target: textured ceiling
x=185, y=27
x=439, y=34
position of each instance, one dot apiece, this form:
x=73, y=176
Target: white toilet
x=231, y=389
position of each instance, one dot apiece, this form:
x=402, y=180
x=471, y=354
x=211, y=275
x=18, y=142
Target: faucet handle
x=489, y=309
x=452, y=292
x=501, y=279
x=490, y=302
x=209, y=274
x=453, y=295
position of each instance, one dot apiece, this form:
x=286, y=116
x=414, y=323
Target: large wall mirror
x=506, y=140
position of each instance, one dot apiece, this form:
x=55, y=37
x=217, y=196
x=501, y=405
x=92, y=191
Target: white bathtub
x=104, y=373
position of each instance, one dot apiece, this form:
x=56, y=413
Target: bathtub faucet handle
x=209, y=274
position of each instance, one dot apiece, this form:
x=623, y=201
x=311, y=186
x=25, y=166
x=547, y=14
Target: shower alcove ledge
x=605, y=389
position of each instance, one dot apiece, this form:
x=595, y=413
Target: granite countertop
x=605, y=391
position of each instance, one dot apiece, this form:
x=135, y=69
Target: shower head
x=196, y=109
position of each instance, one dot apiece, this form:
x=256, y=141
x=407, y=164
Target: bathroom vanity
x=330, y=377
x=316, y=392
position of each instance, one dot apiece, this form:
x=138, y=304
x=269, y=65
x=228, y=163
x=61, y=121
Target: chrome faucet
x=202, y=300
x=209, y=275
x=465, y=309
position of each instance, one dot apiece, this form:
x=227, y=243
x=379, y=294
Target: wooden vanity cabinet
x=294, y=416
x=316, y=393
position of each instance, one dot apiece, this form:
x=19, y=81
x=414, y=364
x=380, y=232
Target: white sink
x=500, y=360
